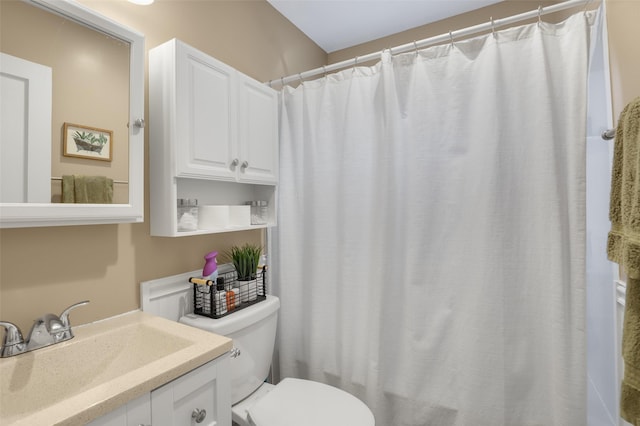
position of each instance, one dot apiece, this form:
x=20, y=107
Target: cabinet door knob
x=244, y=165
x=198, y=414
x=139, y=123
x=235, y=162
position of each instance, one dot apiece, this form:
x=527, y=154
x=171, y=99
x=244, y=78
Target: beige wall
x=46, y=269
x=623, y=17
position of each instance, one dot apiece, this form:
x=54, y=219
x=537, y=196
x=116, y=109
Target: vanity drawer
x=201, y=397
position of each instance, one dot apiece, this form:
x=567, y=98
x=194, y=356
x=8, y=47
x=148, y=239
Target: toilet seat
x=295, y=402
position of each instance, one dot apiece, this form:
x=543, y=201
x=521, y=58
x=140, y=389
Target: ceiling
x=338, y=24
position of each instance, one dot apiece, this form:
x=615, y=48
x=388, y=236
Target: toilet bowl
x=292, y=402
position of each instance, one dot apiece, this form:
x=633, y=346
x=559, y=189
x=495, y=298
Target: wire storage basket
x=228, y=294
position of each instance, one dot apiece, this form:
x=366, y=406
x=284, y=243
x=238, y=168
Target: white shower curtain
x=430, y=251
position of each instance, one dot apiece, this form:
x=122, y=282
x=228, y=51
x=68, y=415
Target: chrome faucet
x=13, y=343
x=47, y=330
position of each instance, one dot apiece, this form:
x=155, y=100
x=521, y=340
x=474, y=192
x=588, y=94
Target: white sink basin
x=104, y=366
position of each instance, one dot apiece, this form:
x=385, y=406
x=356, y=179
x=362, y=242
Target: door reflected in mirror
x=88, y=74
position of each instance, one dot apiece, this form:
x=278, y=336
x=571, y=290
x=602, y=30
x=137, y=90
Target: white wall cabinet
x=209, y=124
x=200, y=397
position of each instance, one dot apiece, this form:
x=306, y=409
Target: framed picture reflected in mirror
x=87, y=142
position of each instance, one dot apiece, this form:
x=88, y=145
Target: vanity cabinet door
x=201, y=397
x=135, y=413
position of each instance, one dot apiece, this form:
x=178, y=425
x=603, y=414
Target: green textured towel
x=630, y=396
x=87, y=189
x=68, y=189
x=623, y=247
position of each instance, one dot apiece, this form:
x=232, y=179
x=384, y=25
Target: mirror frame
x=24, y=215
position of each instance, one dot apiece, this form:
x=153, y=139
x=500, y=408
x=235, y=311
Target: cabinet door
x=257, y=132
x=135, y=413
x=205, y=134
x=201, y=397
x=25, y=125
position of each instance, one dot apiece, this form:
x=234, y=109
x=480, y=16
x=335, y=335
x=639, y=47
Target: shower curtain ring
x=355, y=64
x=539, y=15
x=493, y=27
x=324, y=71
x=282, y=82
x=300, y=78
x=451, y=38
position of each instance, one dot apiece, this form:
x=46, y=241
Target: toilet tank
x=253, y=330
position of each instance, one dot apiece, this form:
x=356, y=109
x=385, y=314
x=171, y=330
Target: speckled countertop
x=106, y=365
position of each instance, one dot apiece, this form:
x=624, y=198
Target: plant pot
x=248, y=290
x=87, y=146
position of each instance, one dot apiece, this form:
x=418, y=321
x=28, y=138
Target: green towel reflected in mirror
x=87, y=189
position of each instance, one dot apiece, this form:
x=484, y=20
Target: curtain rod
x=450, y=36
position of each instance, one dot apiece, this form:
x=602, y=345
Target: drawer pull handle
x=198, y=415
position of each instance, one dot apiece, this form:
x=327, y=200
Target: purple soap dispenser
x=210, y=270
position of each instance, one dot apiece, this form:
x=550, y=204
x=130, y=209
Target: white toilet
x=292, y=402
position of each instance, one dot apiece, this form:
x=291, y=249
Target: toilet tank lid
x=295, y=402
x=235, y=321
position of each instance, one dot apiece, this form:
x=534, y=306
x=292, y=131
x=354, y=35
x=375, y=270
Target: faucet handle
x=13, y=342
x=64, y=316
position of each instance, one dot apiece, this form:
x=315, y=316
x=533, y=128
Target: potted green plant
x=245, y=259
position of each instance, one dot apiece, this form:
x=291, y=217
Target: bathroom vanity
x=200, y=397
x=134, y=369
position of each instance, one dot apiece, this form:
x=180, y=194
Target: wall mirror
x=72, y=84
